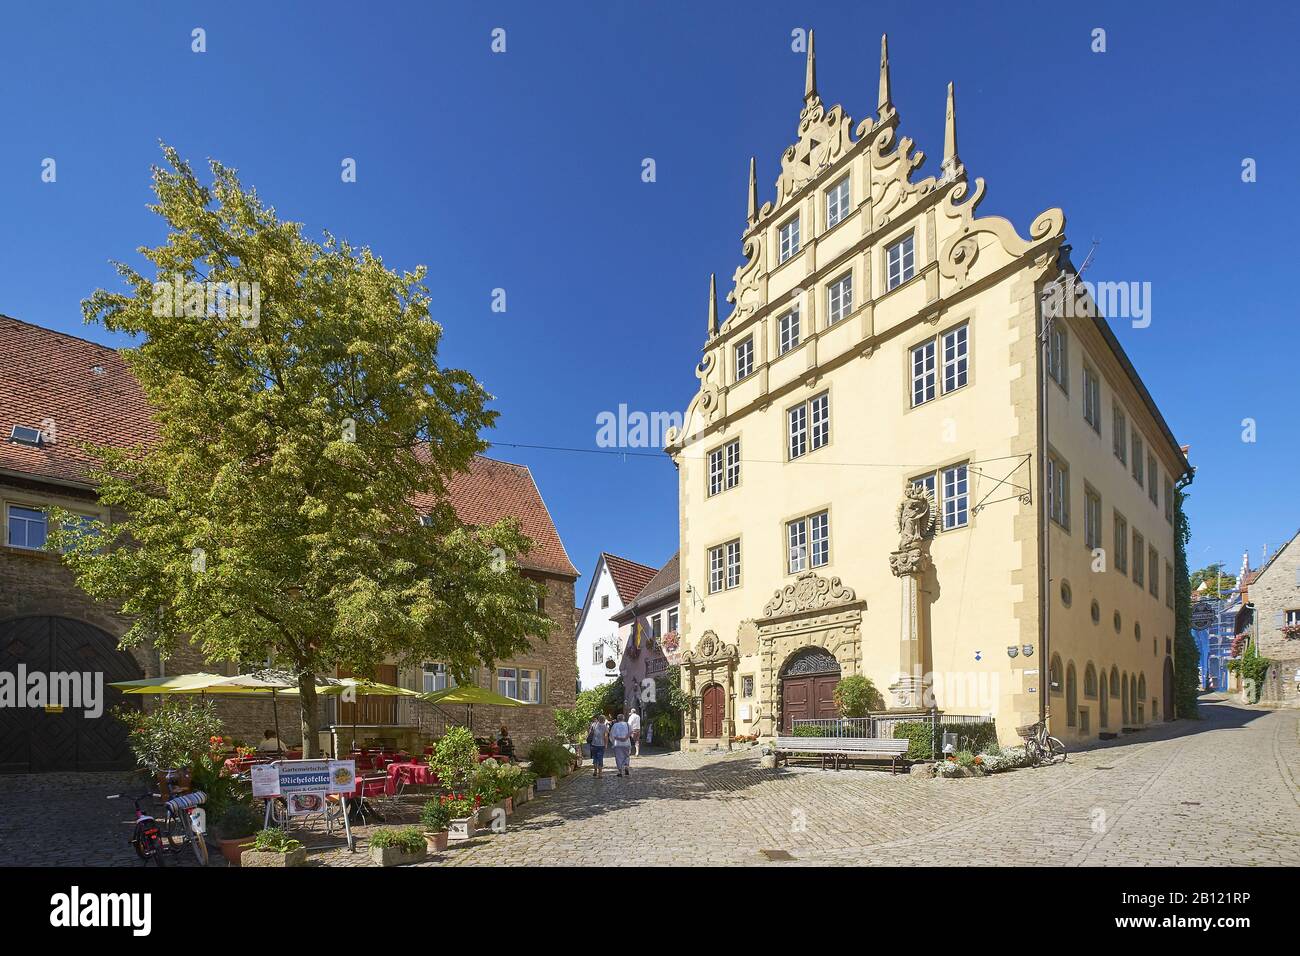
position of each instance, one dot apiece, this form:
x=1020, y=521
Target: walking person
x=597, y=738
x=620, y=737
x=634, y=725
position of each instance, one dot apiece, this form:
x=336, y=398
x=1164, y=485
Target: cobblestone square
x=1221, y=791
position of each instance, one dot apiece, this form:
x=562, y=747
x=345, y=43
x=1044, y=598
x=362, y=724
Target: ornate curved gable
x=810, y=592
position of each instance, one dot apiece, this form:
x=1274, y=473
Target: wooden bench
x=843, y=748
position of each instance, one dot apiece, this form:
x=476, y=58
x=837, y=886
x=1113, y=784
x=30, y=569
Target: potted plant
x=488, y=786
x=512, y=780
x=435, y=818
x=397, y=847
x=454, y=759
x=274, y=848
x=236, y=827
x=548, y=759
x=462, y=817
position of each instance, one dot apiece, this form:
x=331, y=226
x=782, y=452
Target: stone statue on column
x=909, y=562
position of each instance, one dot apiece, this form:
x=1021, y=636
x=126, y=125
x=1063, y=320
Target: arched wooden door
x=712, y=704
x=67, y=738
x=1168, y=699
x=1123, y=701
x=808, y=687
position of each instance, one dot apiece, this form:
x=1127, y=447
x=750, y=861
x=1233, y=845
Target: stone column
x=914, y=630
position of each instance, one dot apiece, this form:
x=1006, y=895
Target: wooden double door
x=808, y=696
x=67, y=738
x=713, y=706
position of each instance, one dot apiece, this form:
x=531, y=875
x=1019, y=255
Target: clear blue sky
x=522, y=170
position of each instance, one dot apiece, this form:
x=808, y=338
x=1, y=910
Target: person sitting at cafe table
x=505, y=746
x=270, y=742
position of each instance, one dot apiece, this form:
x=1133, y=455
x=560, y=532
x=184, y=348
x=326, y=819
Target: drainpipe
x=1044, y=525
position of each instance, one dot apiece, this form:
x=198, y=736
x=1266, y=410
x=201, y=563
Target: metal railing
x=885, y=726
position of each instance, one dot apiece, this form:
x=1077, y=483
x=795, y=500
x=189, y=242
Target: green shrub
x=454, y=758
x=806, y=731
x=856, y=696
x=275, y=841
x=408, y=839
x=173, y=735
x=973, y=737
x=239, y=820
x=1252, y=668
x=547, y=757
x=435, y=816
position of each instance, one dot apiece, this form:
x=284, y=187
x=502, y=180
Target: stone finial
x=753, y=191
x=886, y=104
x=951, y=163
x=810, y=75
x=713, y=304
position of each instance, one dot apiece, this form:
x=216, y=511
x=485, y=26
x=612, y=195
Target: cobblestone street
x=1222, y=791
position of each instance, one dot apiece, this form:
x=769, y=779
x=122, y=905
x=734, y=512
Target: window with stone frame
x=1153, y=490
x=839, y=298
x=789, y=239
x=1058, y=491
x=1119, y=436
x=744, y=357
x=900, y=262
x=1139, y=567
x=1138, y=460
x=837, y=202
x=1121, y=543
x=1092, y=398
x=1091, y=518
x=787, y=331
x=747, y=686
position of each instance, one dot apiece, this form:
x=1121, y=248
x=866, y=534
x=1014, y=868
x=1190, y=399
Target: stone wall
x=1275, y=592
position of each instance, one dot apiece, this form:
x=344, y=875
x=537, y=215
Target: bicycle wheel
x=200, y=846
x=1055, y=749
x=176, y=830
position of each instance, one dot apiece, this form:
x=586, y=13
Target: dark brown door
x=811, y=696
x=40, y=739
x=711, y=705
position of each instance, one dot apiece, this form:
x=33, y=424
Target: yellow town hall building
x=905, y=461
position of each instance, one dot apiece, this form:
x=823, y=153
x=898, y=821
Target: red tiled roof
x=50, y=375
x=492, y=490
x=49, y=379
x=629, y=576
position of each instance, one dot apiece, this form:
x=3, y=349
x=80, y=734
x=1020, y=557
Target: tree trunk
x=310, y=714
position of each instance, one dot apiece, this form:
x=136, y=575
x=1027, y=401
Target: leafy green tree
x=294, y=504
x=1187, y=657
x=1218, y=583
x=856, y=696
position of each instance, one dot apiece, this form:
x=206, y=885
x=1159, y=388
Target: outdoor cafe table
x=411, y=773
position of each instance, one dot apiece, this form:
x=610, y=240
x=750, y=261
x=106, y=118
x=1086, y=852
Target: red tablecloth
x=412, y=773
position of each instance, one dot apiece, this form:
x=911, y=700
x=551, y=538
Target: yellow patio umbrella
x=199, y=683
x=469, y=695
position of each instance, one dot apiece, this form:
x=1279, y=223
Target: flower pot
x=232, y=850
x=523, y=795
x=435, y=841
x=508, y=804
x=296, y=857
x=395, y=855
x=544, y=783
x=463, y=828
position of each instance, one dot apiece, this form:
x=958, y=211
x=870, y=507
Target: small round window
x=1096, y=613
x=1066, y=594
x=1118, y=623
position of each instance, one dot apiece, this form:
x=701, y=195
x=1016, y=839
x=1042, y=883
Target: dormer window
x=22, y=435
x=789, y=244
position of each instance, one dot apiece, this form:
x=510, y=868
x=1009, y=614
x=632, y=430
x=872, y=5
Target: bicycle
x=146, y=837
x=1040, y=747
x=152, y=836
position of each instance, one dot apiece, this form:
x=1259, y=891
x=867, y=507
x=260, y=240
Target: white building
x=615, y=583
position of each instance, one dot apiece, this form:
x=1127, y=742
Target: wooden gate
x=35, y=739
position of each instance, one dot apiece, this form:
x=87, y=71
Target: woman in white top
x=620, y=736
